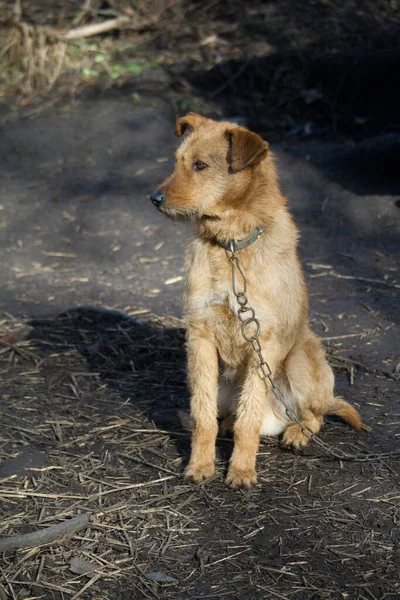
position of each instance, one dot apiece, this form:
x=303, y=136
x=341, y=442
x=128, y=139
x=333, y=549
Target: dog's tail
x=341, y=408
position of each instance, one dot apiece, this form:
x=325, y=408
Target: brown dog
x=225, y=180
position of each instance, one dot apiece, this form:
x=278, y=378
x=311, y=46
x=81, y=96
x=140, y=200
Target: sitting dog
x=225, y=180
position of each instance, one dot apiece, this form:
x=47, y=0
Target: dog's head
x=214, y=168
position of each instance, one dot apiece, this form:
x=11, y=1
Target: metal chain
x=249, y=320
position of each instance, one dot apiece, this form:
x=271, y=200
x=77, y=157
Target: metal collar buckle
x=234, y=246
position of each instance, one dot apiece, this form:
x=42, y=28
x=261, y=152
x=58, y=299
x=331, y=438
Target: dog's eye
x=199, y=165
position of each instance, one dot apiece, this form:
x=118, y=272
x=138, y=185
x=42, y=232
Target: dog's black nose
x=157, y=198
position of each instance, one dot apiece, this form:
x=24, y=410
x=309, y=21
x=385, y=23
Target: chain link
x=265, y=371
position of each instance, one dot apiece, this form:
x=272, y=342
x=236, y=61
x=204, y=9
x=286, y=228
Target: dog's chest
x=218, y=310
x=212, y=305
x=222, y=297
x=218, y=304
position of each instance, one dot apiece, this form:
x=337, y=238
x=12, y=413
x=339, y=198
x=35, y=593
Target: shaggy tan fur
x=225, y=179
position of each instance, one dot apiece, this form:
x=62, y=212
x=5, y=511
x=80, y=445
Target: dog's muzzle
x=157, y=198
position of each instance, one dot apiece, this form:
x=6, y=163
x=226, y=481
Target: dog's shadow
x=144, y=362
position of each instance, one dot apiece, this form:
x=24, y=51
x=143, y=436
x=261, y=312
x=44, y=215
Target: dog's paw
x=241, y=478
x=293, y=437
x=199, y=472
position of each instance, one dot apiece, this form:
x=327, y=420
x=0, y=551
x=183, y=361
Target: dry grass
x=36, y=52
x=75, y=393
x=30, y=59
x=100, y=459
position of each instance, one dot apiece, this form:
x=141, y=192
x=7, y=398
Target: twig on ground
x=44, y=536
x=95, y=28
x=343, y=337
x=354, y=278
x=86, y=586
x=362, y=367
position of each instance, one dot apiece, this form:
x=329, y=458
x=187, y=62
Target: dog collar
x=237, y=245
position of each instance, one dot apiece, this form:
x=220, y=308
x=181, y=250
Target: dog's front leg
x=250, y=410
x=203, y=381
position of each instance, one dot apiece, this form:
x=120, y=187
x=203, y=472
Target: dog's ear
x=191, y=120
x=246, y=149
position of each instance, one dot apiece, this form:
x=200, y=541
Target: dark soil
x=93, y=366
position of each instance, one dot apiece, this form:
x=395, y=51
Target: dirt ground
x=89, y=396
x=92, y=347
